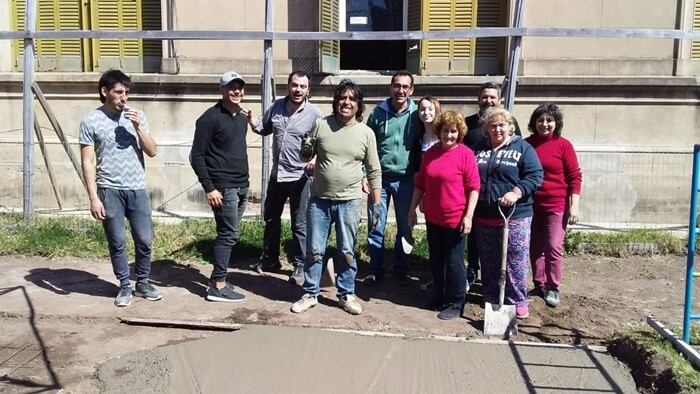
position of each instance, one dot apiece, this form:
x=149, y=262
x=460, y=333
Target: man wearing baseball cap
x=219, y=157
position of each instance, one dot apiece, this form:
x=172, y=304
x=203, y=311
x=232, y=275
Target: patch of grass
x=622, y=244
x=193, y=239
x=686, y=376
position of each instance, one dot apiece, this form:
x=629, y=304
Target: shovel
x=328, y=276
x=407, y=245
x=500, y=319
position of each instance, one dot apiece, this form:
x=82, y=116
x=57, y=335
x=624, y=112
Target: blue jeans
x=321, y=215
x=135, y=206
x=446, y=257
x=298, y=193
x=228, y=229
x=401, y=189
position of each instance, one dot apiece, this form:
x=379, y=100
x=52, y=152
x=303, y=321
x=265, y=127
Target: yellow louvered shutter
x=52, y=55
x=448, y=56
x=695, y=47
x=125, y=54
x=152, y=49
x=414, y=24
x=489, y=51
x=329, y=50
x=17, y=10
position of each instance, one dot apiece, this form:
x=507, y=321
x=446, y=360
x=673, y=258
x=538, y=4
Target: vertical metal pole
x=266, y=101
x=28, y=113
x=514, y=60
x=692, y=226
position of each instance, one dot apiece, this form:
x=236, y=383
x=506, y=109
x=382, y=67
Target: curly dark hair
x=347, y=85
x=549, y=109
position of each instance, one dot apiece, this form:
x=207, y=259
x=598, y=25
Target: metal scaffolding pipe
x=266, y=101
x=28, y=114
x=514, y=61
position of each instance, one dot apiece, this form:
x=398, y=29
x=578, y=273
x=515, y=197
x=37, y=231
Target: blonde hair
x=493, y=113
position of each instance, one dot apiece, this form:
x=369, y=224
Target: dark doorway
x=373, y=15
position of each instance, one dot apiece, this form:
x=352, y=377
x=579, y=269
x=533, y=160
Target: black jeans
x=472, y=251
x=446, y=250
x=298, y=193
x=228, y=229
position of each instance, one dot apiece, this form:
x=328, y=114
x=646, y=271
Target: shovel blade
x=406, y=245
x=328, y=277
x=500, y=321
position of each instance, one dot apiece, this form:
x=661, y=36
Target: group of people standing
x=465, y=174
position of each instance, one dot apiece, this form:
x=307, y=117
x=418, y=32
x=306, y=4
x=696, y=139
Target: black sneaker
x=371, y=279
x=449, y=313
x=147, y=291
x=297, y=276
x=224, y=294
x=264, y=265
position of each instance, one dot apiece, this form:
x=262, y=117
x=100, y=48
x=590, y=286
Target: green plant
x=686, y=376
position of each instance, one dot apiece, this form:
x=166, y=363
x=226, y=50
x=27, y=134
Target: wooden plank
x=190, y=324
x=59, y=131
x=47, y=162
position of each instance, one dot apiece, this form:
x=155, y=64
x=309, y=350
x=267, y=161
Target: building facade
x=618, y=95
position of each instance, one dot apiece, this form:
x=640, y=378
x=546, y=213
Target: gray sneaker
x=147, y=291
x=123, y=297
x=224, y=294
x=350, y=304
x=551, y=298
x=306, y=302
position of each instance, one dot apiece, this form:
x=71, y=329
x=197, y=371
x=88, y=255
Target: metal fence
x=621, y=189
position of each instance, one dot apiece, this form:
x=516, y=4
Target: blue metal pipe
x=692, y=227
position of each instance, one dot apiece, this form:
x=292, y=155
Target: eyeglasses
x=497, y=126
x=398, y=86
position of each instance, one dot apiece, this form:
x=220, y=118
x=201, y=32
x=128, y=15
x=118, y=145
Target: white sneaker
x=350, y=304
x=306, y=302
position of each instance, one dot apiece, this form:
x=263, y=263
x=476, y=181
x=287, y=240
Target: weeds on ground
x=621, y=244
x=193, y=239
x=686, y=376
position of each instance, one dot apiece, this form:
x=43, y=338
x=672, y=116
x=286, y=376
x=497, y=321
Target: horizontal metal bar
x=374, y=35
x=695, y=316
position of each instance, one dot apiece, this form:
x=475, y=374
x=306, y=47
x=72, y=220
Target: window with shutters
x=490, y=51
x=329, y=50
x=131, y=55
x=51, y=55
x=441, y=56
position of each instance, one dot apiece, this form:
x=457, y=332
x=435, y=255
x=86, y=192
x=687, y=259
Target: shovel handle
x=504, y=255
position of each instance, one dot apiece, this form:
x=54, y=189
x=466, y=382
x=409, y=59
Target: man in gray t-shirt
x=113, y=139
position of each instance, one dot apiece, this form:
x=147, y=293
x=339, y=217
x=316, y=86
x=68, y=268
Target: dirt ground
x=58, y=321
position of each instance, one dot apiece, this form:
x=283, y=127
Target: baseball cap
x=230, y=76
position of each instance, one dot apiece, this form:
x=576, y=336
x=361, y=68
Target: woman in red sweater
x=556, y=202
x=448, y=183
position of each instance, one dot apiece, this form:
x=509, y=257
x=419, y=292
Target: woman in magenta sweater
x=448, y=183
x=556, y=202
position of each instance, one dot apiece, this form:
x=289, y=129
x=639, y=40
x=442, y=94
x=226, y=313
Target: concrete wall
x=246, y=57
x=603, y=117
x=599, y=56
